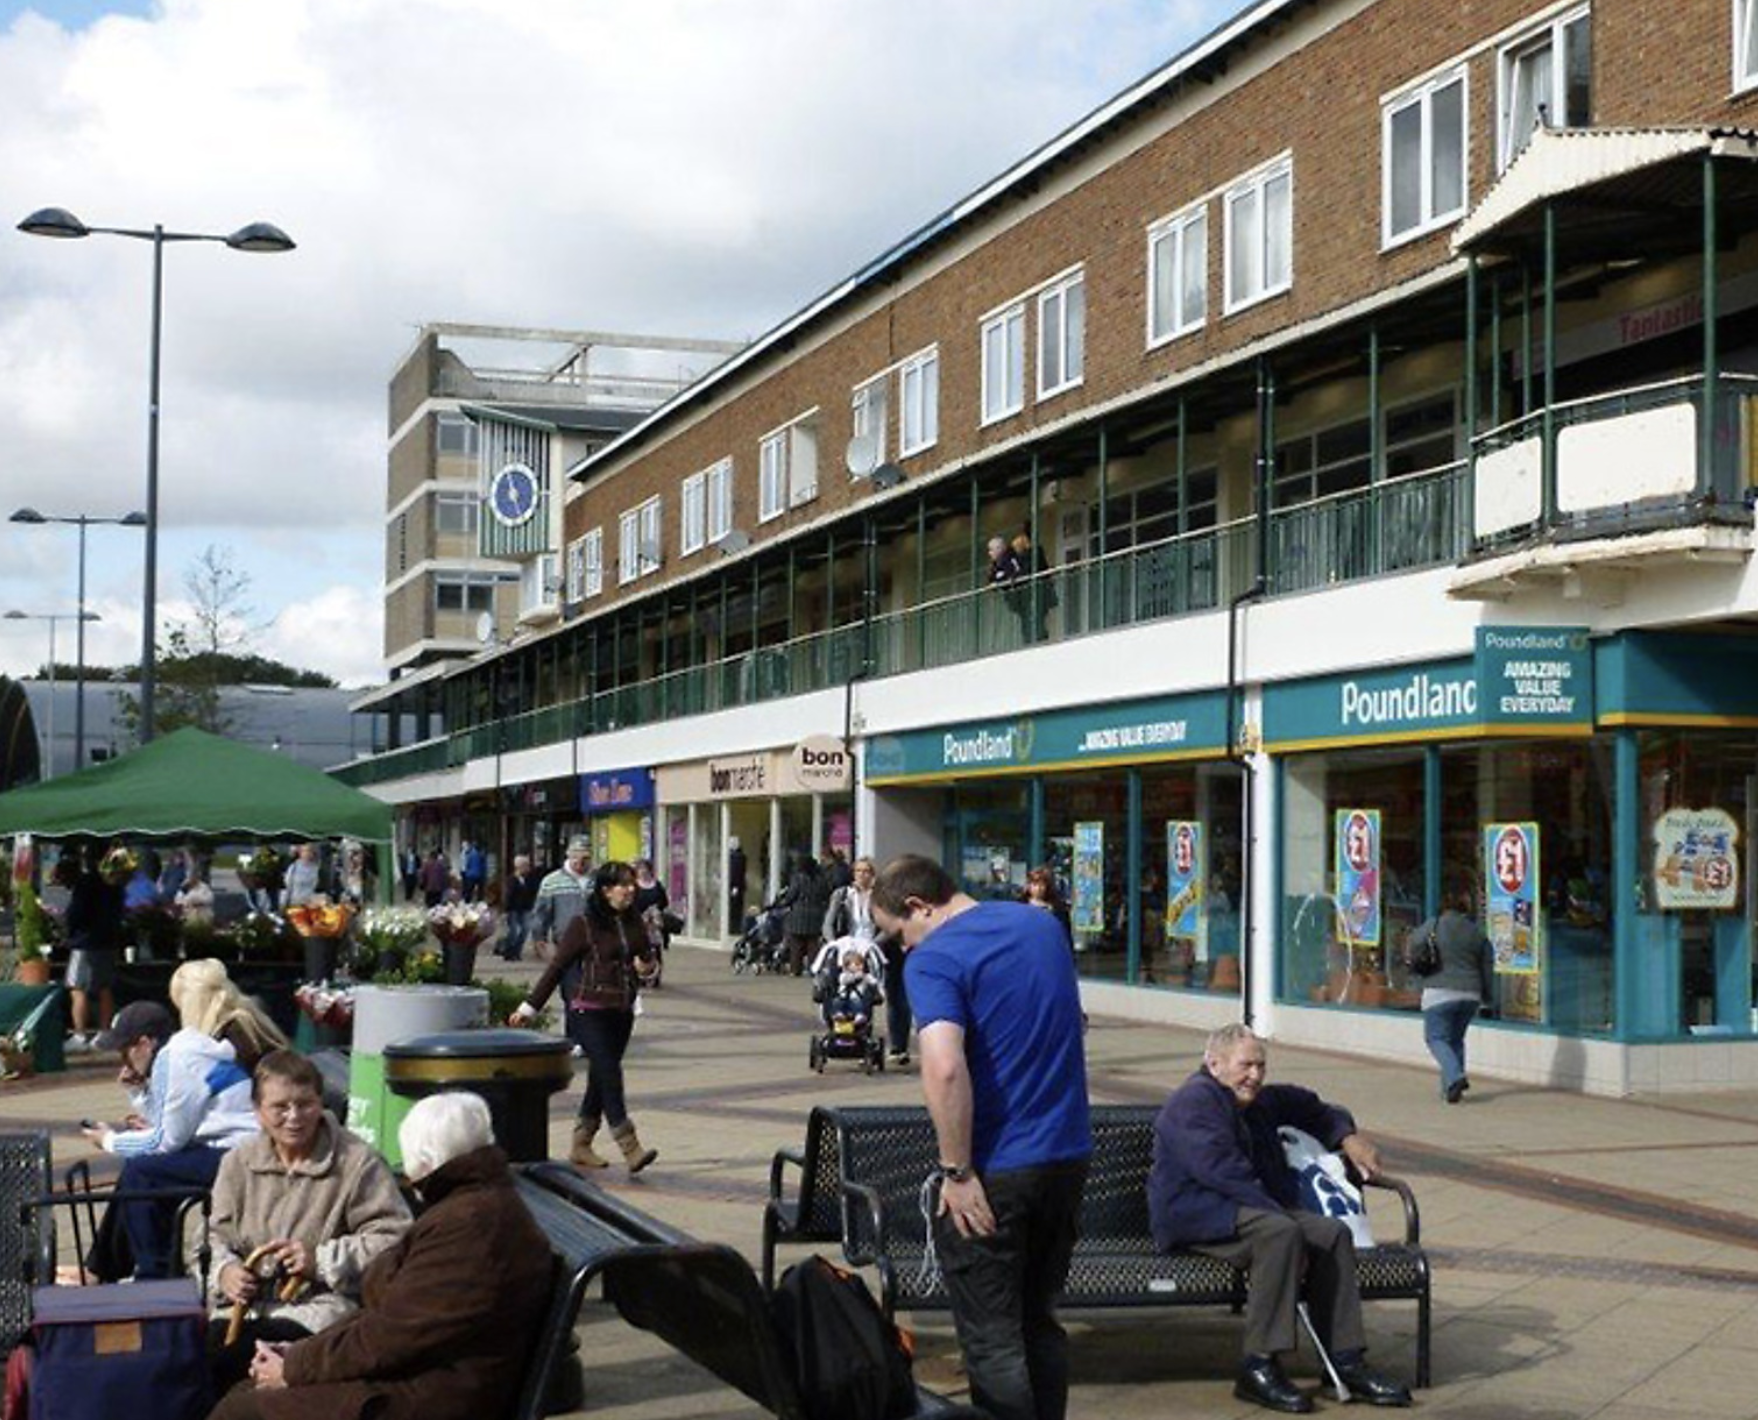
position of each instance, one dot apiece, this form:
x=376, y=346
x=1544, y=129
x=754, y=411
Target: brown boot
x=583, y=1155
x=634, y=1155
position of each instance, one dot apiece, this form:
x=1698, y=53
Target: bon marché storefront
x=728, y=824
x=1593, y=796
x=1133, y=806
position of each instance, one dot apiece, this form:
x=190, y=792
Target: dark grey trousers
x=1293, y=1255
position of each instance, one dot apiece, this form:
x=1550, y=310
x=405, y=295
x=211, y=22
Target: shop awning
x=1602, y=176
x=195, y=785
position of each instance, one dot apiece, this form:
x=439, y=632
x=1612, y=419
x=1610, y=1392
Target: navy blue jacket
x=1212, y=1158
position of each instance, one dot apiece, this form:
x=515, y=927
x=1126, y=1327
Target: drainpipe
x=1266, y=396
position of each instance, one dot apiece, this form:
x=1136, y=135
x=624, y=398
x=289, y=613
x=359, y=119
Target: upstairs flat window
x=719, y=499
x=1004, y=364
x=1745, y=43
x=593, y=553
x=918, y=382
x=1178, y=275
x=1545, y=78
x=692, y=514
x=1424, y=158
x=1260, y=235
x=869, y=411
x=1062, y=335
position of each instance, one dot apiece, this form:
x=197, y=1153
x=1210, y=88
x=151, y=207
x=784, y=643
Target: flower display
x=326, y=1005
x=461, y=924
x=320, y=917
x=385, y=936
x=262, y=868
x=118, y=865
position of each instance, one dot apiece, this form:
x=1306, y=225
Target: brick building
x=1372, y=383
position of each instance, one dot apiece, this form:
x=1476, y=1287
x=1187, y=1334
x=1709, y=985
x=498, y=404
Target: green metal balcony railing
x=1402, y=525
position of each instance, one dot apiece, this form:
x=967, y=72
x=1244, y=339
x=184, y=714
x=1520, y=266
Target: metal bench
x=701, y=1298
x=26, y=1247
x=879, y=1156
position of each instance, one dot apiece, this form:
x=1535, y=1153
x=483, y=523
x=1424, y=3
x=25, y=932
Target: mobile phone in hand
x=90, y=1124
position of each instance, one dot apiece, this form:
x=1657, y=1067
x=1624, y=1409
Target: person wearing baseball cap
x=193, y=1104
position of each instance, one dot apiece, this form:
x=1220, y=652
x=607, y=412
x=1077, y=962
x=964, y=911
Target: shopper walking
x=1461, y=980
x=608, y=944
x=808, y=901
x=1004, y=1075
x=518, y=897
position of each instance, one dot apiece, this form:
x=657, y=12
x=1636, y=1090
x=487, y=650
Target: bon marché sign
x=1137, y=732
x=821, y=764
x=1527, y=680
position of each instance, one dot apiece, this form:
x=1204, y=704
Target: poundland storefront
x=1133, y=806
x=1597, y=798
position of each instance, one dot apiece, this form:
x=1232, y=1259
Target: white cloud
x=679, y=166
x=340, y=632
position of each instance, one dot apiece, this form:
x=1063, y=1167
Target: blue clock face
x=513, y=494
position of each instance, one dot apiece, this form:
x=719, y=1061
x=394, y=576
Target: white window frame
x=639, y=553
x=652, y=535
x=576, y=571
x=719, y=500
x=1422, y=97
x=918, y=402
x=870, y=412
x=1177, y=229
x=592, y=553
x=693, y=514
x=1256, y=184
x=1062, y=336
x=1552, y=33
x=802, y=459
x=1003, y=382
x=1745, y=17
x=772, y=476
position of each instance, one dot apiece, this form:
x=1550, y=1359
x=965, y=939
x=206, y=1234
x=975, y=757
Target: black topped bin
x=516, y=1071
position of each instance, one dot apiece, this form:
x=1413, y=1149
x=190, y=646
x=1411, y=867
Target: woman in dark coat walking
x=1462, y=982
x=608, y=949
x=808, y=901
x=449, y=1311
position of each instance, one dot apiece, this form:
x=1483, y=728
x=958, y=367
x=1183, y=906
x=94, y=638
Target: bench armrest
x=1412, y=1216
x=862, y=1202
x=778, y=1166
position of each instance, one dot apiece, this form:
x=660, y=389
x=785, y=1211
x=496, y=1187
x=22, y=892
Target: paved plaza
x=1592, y=1257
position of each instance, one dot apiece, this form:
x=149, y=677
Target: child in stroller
x=761, y=946
x=845, y=983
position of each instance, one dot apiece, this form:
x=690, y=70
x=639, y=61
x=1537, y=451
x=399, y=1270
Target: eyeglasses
x=286, y=1109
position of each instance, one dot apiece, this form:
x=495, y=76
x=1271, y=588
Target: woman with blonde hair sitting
x=207, y=1000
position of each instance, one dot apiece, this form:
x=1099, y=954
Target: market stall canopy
x=195, y=785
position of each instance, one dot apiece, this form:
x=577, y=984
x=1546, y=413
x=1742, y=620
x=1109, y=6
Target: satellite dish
x=862, y=456
x=485, y=627
x=887, y=475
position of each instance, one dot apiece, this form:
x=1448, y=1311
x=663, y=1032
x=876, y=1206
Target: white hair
x=441, y=1128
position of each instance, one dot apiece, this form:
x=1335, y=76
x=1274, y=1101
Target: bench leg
x=768, y=1251
x=1422, y=1338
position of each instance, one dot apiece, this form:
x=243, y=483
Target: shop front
x=617, y=806
x=539, y=819
x=729, y=826
x=1591, y=798
x=1133, y=808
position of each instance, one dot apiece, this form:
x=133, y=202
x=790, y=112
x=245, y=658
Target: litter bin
x=383, y=1014
x=516, y=1071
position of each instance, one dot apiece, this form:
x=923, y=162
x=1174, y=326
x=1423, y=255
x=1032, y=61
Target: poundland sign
x=1141, y=731
x=1522, y=680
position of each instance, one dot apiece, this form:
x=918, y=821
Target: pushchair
x=762, y=945
x=848, y=1021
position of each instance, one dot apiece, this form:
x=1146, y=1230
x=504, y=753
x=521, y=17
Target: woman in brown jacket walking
x=605, y=957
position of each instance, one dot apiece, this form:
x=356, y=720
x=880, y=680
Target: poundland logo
x=1420, y=698
x=983, y=747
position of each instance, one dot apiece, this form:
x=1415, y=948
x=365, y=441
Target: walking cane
x=1323, y=1355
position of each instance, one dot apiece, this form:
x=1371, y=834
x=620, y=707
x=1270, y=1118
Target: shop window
x=1192, y=877
x=1545, y=80
x=1423, y=157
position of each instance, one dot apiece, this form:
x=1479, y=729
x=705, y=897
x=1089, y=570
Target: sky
x=680, y=167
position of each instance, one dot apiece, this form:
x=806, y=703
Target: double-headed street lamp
x=82, y=522
x=257, y=237
x=81, y=616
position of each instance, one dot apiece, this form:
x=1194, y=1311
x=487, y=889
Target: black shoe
x=1456, y=1090
x=1262, y=1382
x=1369, y=1385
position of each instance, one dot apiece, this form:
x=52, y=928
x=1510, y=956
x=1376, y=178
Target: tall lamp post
x=257, y=237
x=82, y=616
x=82, y=522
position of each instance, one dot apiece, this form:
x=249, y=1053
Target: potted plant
x=461, y=928
x=31, y=934
x=321, y=925
x=383, y=939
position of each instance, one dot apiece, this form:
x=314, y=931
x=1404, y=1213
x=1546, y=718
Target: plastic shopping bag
x=1324, y=1183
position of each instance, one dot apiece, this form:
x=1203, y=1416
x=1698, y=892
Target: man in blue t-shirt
x=998, y=1019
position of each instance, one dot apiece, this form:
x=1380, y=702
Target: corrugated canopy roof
x=1604, y=176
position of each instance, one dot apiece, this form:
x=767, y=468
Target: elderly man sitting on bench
x=1221, y=1185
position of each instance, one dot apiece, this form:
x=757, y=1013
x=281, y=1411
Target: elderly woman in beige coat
x=310, y=1202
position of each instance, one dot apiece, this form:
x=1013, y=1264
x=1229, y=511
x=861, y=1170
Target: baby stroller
x=848, y=1013
x=762, y=945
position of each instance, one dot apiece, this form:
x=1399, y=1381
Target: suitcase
x=133, y=1351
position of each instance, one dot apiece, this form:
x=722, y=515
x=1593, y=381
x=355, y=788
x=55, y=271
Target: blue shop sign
x=1678, y=678
x=1526, y=680
x=1137, y=732
x=614, y=790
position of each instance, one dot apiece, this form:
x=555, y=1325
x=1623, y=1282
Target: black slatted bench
x=859, y=1182
x=701, y=1298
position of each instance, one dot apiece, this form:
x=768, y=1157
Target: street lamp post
x=82, y=521
x=256, y=237
x=82, y=616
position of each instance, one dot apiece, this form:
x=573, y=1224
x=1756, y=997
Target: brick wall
x=412, y=383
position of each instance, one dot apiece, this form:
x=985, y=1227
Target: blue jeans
x=1003, y=1290
x=149, y=1221
x=897, y=1007
x=512, y=945
x=1443, y=1031
x=604, y=1036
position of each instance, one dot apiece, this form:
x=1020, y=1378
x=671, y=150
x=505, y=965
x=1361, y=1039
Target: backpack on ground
x=847, y=1360
x=1423, y=950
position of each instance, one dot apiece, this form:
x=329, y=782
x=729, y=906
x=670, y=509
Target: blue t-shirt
x=1003, y=972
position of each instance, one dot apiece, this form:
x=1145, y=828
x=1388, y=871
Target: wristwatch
x=956, y=1173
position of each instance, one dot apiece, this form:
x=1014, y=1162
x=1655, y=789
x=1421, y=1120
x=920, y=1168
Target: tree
x=222, y=620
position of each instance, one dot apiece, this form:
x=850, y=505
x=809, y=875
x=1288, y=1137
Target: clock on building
x=513, y=494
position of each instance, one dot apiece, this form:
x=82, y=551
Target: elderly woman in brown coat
x=449, y=1312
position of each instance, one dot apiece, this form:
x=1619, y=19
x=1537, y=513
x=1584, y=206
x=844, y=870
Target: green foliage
x=504, y=997
x=33, y=928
